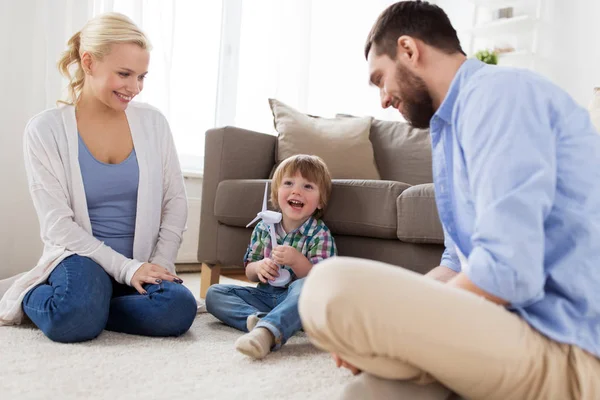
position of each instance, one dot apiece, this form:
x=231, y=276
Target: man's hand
x=267, y=270
x=341, y=363
x=152, y=274
x=463, y=282
x=441, y=273
x=286, y=255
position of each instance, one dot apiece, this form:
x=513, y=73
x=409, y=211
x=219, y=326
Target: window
x=216, y=62
x=184, y=65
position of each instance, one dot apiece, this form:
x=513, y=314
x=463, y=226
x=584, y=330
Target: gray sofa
x=393, y=220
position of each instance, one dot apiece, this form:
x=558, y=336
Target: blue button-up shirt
x=517, y=179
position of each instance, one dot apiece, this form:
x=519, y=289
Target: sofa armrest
x=418, y=218
x=229, y=153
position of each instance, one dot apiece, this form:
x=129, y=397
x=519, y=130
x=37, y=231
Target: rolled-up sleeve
x=449, y=257
x=509, y=148
x=258, y=242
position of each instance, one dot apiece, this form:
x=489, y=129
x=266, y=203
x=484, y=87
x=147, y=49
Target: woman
x=107, y=187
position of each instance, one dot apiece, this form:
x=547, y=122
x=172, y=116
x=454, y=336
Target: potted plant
x=487, y=56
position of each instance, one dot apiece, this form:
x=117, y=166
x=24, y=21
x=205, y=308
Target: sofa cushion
x=402, y=153
x=356, y=207
x=364, y=208
x=342, y=143
x=418, y=219
x=237, y=201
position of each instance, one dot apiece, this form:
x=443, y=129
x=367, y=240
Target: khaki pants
x=396, y=324
x=369, y=387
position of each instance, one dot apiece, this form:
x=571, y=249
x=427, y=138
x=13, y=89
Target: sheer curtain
x=217, y=62
x=307, y=53
x=33, y=33
x=184, y=64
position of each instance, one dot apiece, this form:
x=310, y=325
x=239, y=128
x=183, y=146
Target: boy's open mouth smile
x=296, y=204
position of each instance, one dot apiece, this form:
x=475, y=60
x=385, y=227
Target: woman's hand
x=286, y=255
x=341, y=363
x=267, y=270
x=152, y=274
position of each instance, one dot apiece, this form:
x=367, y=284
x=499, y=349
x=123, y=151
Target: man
x=513, y=312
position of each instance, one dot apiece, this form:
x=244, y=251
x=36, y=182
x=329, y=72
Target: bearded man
x=513, y=310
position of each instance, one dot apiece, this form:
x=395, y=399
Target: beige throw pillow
x=343, y=143
x=403, y=152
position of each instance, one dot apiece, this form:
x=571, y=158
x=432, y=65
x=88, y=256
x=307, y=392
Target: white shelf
x=515, y=54
x=503, y=26
x=519, y=58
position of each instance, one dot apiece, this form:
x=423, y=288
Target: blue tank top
x=111, y=195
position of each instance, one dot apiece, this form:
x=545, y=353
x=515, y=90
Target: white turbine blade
x=253, y=221
x=270, y=217
x=273, y=236
x=265, y=197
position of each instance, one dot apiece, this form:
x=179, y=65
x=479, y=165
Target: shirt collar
x=466, y=70
x=307, y=228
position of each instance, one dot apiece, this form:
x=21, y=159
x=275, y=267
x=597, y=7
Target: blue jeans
x=80, y=299
x=276, y=307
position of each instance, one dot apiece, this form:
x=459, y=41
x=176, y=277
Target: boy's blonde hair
x=96, y=37
x=312, y=168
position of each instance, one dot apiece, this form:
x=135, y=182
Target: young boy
x=300, y=190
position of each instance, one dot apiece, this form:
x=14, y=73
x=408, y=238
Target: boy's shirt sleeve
x=322, y=246
x=258, y=242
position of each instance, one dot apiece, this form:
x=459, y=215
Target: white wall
x=572, y=46
x=569, y=53
x=27, y=87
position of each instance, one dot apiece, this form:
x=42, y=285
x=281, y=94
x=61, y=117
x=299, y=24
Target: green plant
x=487, y=56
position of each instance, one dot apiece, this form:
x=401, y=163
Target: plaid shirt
x=312, y=239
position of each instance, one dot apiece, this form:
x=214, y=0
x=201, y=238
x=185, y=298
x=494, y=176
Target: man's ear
x=407, y=49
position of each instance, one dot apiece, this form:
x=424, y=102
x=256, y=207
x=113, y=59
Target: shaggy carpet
x=202, y=364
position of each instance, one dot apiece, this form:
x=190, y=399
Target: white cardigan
x=56, y=186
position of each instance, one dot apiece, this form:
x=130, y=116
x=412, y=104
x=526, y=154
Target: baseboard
x=196, y=267
x=233, y=271
x=188, y=267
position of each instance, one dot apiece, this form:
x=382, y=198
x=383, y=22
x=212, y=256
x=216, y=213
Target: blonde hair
x=96, y=37
x=312, y=168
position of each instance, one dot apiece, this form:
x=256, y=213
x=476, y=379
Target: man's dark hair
x=419, y=19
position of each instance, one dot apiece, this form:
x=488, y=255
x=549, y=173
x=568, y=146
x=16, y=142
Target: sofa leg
x=209, y=275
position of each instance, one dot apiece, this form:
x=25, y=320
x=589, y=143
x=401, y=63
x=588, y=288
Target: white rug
x=202, y=364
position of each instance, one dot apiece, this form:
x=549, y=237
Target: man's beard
x=417, y=104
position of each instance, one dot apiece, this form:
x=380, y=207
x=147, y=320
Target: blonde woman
x=107, y=187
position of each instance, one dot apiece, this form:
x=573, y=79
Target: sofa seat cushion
x=418, y=219
x=356, y=207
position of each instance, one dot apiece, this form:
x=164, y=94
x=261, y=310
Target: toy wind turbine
x=270, y=218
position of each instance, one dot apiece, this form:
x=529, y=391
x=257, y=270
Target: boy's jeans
x=80, y=299
x=277, y=307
